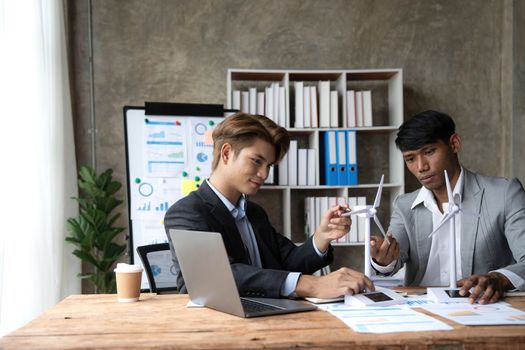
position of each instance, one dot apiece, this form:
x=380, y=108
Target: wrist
x=306, y=286
x=502, y=280
x=320, y=243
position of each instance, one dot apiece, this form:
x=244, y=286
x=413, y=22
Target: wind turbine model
x=368, y=212
x=381, y=296
x=449, y=294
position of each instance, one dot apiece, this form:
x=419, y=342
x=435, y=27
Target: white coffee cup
x=129, y=278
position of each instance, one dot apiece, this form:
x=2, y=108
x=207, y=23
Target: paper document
x=387, y=319
x=478, y=315
x=417, y=300
x=325, y=301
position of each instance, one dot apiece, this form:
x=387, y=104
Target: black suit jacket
x=202, y=210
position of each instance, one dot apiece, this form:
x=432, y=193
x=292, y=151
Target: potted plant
x=93, y=231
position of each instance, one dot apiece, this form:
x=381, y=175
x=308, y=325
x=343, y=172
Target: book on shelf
x=245, y=102
x=351, y=118
x=324, y=104
x=260, y=103
x=268, y=102
x=275, y=92
x=236, y=99
x=302, y=164
x=253, y=100
x=292, y=163
x=270, y=180
x=299, y=105
x=329, y=157
x=359, y=108
x=306, y=107
x=283, y=171
x=342, y=160
x=361, y=221
x=367, y=108
x=314, y=122
x=334, y=109
x=312, y=165
x=351, y=158
x=282, y=106
x=352, y=235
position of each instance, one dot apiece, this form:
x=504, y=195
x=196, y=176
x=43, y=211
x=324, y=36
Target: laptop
x=209, y=278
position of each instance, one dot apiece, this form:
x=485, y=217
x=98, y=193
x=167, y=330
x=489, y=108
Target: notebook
x=209, y=278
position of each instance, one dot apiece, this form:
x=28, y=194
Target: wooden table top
x=164, y=322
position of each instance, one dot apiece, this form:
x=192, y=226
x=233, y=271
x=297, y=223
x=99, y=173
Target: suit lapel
x=230, y=233
x=423, y=226
x=471, y=204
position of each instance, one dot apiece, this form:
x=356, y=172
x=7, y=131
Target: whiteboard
x=167, y=156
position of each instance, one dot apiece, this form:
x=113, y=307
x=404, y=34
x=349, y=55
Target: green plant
x=93, y=231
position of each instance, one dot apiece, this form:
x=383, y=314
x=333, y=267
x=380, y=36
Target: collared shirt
x=250, y=243
x=437, y=272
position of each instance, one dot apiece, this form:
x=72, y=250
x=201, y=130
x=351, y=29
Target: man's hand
x=490, y=287
x=384, y=251
x=333, y=226
x=340, y=282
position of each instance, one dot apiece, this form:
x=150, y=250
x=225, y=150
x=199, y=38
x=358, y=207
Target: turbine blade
x=449, y=189
x=378, y=223
x=443, y=222
x=379, y=190
x=355, y=212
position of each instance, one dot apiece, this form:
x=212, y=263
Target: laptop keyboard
x=251, y=306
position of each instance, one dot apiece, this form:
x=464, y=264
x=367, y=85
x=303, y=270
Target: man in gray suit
x=264, y=263
x=490, y=242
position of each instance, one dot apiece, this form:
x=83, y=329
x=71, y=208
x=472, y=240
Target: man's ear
x=455, y=142
x=226, y=152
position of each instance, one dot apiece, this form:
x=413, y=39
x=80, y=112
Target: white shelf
x=325, y=187
x=390, y=82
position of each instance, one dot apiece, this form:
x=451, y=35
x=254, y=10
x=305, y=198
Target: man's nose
x=422, y=164
x=263, y=172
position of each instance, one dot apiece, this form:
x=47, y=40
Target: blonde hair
x=241, y=129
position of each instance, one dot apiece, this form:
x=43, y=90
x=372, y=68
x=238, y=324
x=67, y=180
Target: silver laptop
x=209, y=278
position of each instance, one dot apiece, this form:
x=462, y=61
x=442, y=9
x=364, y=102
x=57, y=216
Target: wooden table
x=164, y=322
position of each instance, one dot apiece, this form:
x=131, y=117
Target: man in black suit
x=264, y=263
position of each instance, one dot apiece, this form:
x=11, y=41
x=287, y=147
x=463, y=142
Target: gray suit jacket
x=494, y=240
x=202, y=210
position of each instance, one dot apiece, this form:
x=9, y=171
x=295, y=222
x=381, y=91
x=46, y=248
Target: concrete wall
x=457, y=57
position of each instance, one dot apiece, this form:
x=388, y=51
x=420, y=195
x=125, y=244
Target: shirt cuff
x=383, y=269
x=321, y=255
x=290, y=284
x=517, y=281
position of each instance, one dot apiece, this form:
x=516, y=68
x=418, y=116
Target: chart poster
x=167, y=156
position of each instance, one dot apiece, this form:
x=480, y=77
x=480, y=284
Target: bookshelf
x=376, y=150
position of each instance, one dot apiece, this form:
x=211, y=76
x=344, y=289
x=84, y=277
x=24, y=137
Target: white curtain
x=38, y=169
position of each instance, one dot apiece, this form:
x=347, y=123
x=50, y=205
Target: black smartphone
x=454, y=293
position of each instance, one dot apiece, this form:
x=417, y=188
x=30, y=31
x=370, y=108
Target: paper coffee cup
x=129, y=278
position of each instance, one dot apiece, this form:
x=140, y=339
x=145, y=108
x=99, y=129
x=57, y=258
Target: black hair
x=424, y=128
